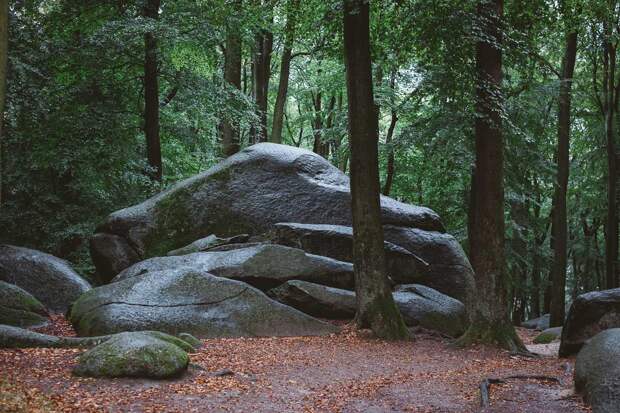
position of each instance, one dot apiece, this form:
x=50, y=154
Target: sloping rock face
x=186, y=300
x=419, y=305
x=412, y=255
x=49, y=279
x=589, y=314
x=111, y=254
x=134, y=354
x=316, y=300
x=19, y=308
x=264, y=266
x=209, y=242
x=597, y=372
x=248, y=192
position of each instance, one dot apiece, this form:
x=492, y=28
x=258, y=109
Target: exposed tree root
x=485, y=385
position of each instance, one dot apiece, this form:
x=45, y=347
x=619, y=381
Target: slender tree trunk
x=375, y=304
x=319, y=147
x=611, y=240
x=262, y=73
x=285, y=69
x=490, y=319
x=232, y=76
x=560, y=223
x=151, y=94
x=389, y=176
x=4, y=55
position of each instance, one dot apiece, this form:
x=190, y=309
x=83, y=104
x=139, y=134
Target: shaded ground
x=348, y=372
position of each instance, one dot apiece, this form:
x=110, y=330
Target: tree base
x=500, y=334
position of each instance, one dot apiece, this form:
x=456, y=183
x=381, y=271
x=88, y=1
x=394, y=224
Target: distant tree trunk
x=151, y=95
x=375, y=304
x=519, y=212
x=232, y=76
x=490, y=319
x=285, y=68
x=611, y=238
x=4, y=55
x=389, y=176
x=262, y=73
x=319, y=147
x=560, y=223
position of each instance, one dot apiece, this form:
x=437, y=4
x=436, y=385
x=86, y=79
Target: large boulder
x=264, y=266
x=19, y=308
x=412, y=255
x=134, y=354
x=248, y=192
x=111, y=254
x=428, y=308
x=539, y=323
x=589, y=314
x=549, y=335
x=49, y=279
x=187, y=300
x=597, y=372
x=419, y=305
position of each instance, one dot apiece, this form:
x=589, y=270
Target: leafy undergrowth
x=346, y=372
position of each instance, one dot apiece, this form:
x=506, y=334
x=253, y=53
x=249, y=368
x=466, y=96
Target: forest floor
x=345, y=372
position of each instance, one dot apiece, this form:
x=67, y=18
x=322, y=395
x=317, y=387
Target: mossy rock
x=548, y=336
x=135, y=354
x=19, y=308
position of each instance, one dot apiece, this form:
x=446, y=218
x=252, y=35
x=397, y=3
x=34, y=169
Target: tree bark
x=490, y=319
x=4, y=58
x=232, y=76
x=375, y=304
x=560, y=224
x=285, y=69
x=611, y=235
x=389, y=176
x=262, y=73
x=151, y=95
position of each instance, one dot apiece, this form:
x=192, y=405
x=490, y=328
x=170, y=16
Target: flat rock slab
x=264, y=266
x=191, y=301
x=597, y=372
x=419, y=305
x=248, y=192
x=134, y=354
x=589, y=314
x=412, y=255
x=19, y=308
x=49, y=279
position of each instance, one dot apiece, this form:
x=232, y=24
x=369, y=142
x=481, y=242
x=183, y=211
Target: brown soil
x=347, y=372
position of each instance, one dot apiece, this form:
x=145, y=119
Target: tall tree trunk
x=389, y=176
x=560, y=224
x=490, y=319
x=232, y=76
x=4, y=55
x=262, y=73
x=285, y=69
x=151, y=95
x=611, y=240
x=375, y=304
x=319, y=147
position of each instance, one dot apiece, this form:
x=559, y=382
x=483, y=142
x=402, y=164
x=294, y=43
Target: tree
x=232, y=76
x=375, y=304
x=560, y=222
x=490, y=320
x=262, y=72
x=151, y=94
x=285, y=69
x=4, y=54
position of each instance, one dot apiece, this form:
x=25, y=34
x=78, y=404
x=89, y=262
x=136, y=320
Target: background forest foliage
x=74, y=148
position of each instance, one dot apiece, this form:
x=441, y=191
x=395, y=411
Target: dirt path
x=347, y=372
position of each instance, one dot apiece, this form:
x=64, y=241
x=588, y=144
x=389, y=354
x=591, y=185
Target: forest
x=309, y=205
